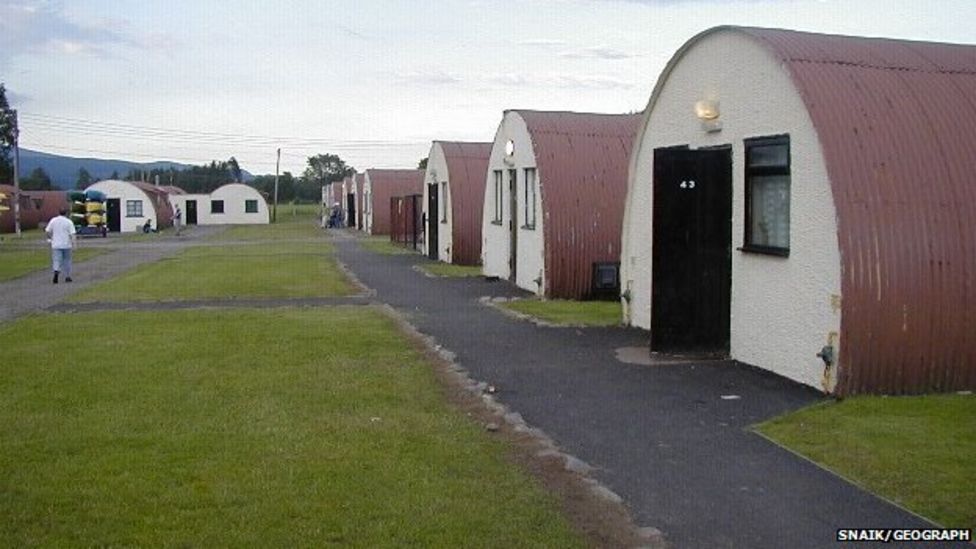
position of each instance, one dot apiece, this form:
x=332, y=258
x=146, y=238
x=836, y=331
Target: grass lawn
x=17, y=261
x=447, y=269
x=917, y=451
x=382, y=245
x=246, y=428
x=280, y=270
x=576, y=313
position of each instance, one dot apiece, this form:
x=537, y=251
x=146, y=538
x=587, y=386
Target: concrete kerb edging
x=546, y=448
x=496, y=303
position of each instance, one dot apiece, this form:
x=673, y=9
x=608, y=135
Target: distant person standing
x=178, y=220
x=61, y=233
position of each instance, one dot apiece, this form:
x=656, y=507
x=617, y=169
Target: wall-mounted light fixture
x=707, y=110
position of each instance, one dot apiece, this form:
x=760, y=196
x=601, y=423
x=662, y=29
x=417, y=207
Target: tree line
x=320, y=169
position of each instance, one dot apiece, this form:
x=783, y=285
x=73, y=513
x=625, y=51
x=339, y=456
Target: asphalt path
x=673, y=438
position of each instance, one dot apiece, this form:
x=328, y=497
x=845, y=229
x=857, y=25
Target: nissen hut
x=379, y=188
x=130, y=204
x=794, y=195
x=453, y=202
x=554, y=199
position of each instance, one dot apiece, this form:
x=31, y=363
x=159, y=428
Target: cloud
x=597, y=52
x=563, y=81
x=37, y=27
x=542, y=43
x=431, y=77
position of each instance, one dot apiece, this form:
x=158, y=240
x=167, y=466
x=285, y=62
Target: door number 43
x=690, y=184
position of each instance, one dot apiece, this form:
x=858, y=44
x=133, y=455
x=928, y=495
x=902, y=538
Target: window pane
x=250, y=206
x=530, y=197
x=443, y=202
x=770, y=209
x=772, y=155
x=217, y=206
x=133, y=208
x=498, y=195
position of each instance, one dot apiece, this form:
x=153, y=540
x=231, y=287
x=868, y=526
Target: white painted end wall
x=437, y=173
x=367, y=204
x=783, y=309
x=234, y=197
x=125, y=191
x=496, y=238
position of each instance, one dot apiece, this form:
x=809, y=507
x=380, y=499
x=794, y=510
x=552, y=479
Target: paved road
x=660, y=436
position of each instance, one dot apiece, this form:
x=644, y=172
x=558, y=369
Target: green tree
x=84, y=179
x=6, y=138
x=38, y=181
x=326, y=168
x=422, y=165
x=115, y=175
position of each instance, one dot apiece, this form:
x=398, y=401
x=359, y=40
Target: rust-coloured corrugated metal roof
x=385, y=184
x=29, y=213
x=467, y=166
x=581, y=161
x=50, y=203
x=160, y=200
x=897, y=124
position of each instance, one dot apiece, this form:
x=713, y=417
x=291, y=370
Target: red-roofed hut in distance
x=453, y=201
x=554, y=201
x=379, y=188
x=794, y=194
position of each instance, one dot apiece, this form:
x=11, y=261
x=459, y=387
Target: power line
x=81, y=124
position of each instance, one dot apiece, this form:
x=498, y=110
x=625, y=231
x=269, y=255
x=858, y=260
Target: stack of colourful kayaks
x=88, y=209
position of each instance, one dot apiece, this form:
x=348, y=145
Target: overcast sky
x=373, y=81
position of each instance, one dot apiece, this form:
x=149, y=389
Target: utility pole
x=16, y=174
x=274, y=211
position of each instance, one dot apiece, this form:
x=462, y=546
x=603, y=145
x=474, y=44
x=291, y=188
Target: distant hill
x=63, y=170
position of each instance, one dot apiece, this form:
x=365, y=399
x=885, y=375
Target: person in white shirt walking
x=177, y=220
x=61, y=233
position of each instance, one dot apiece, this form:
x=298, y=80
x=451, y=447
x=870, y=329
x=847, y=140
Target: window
x=443, y=204
x=498, y=198
x=530, y=194
x=768, y=195
x=216, y=206
x=251, y=206
x=133, y=208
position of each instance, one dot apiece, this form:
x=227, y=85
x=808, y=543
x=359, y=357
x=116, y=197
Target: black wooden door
x=350, y=210
x=191, y=212
x=433, y=220
x=113, y=209
x=692, y=250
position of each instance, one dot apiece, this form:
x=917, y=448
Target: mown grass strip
x=449, y=270
x=382, y=245
x=18, y=261
x=917, y=451
x=570, y=313
x=279, y=270
x=273, y=428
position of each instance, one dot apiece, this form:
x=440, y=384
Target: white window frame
x=531, y=192
x=499, y=195
x=133, y=208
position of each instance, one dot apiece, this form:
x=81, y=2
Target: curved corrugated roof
x=384, y=185
x=160, y=200
x=582, y=161
x=896, y=121
x=467, y=164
